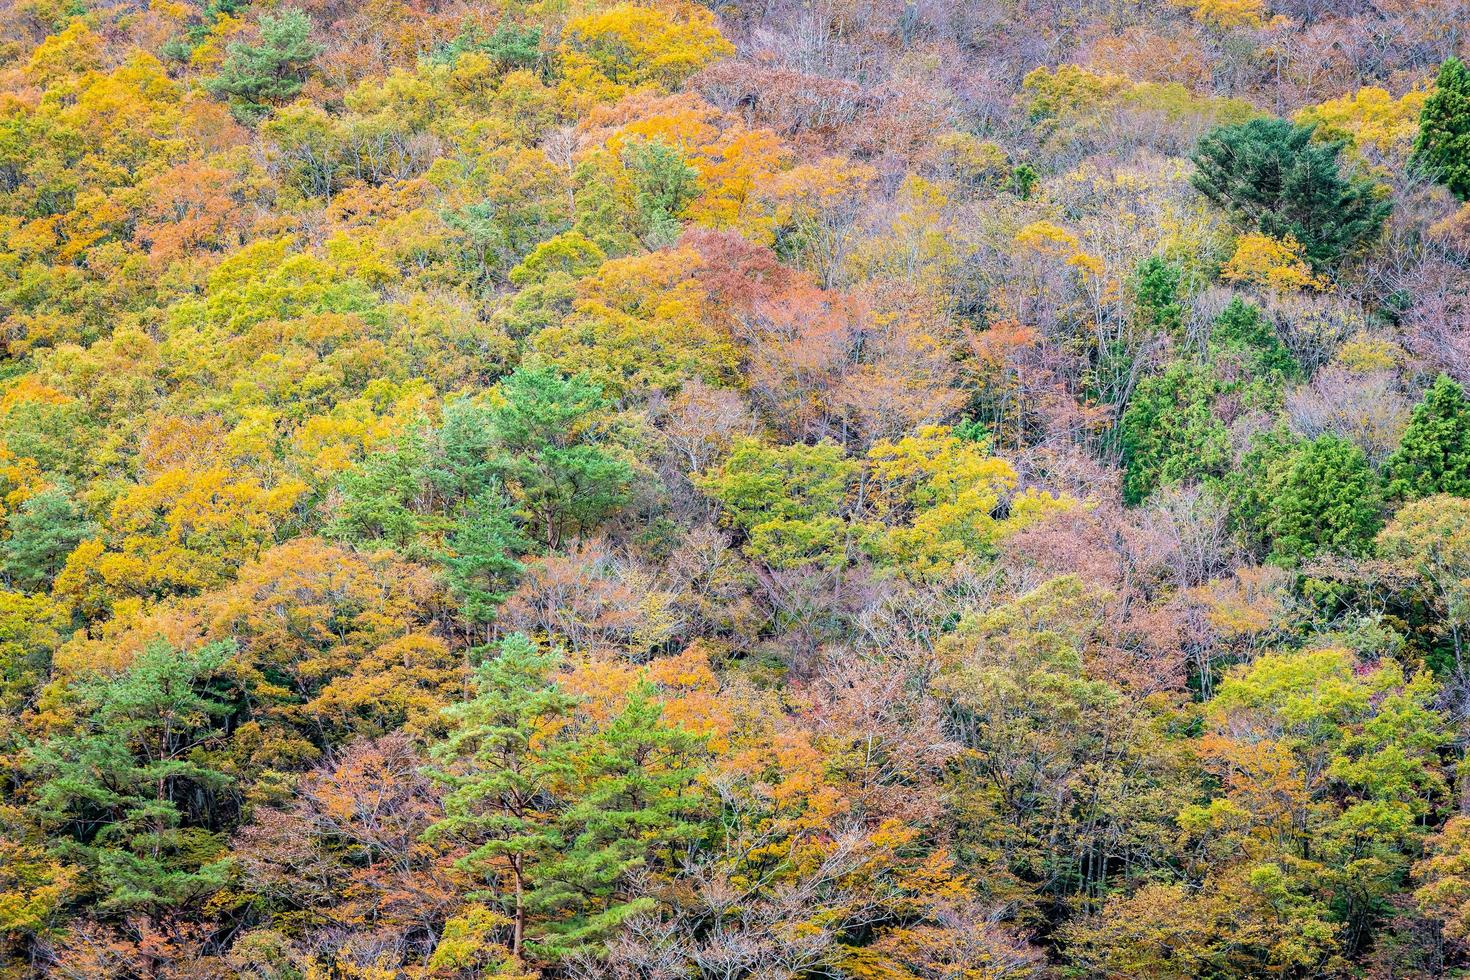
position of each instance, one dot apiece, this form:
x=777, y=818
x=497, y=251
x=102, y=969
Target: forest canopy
x=659, y=490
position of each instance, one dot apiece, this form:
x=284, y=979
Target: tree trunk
x=520, y=923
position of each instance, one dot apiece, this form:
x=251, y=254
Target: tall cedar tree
x=1328, y=500
x=1442, y=147
x=1434, y=453
x=1170, y=433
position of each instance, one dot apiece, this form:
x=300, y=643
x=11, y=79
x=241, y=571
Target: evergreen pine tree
x=130, y=793
x=502, y=762
x=42, y=533
x=546, y=450
x=379, y=495
x=461, y=468
x=638, y=800
x=273, y=71
x=481, y=565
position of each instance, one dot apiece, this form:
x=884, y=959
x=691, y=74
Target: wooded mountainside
x=783, y=490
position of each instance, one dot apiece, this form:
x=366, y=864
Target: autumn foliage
x=751, y=491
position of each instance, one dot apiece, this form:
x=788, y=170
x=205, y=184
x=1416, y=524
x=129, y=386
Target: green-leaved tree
x=42, y=533
x=254, y=76
x=639, y=802
x=548, y=448
x=1434, y=453
x=1442, y=147
x=130, y=793
x=502, y=761
x=1170, y=433
x=481, y=565
x=1327, y=499
x=1272, y=175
